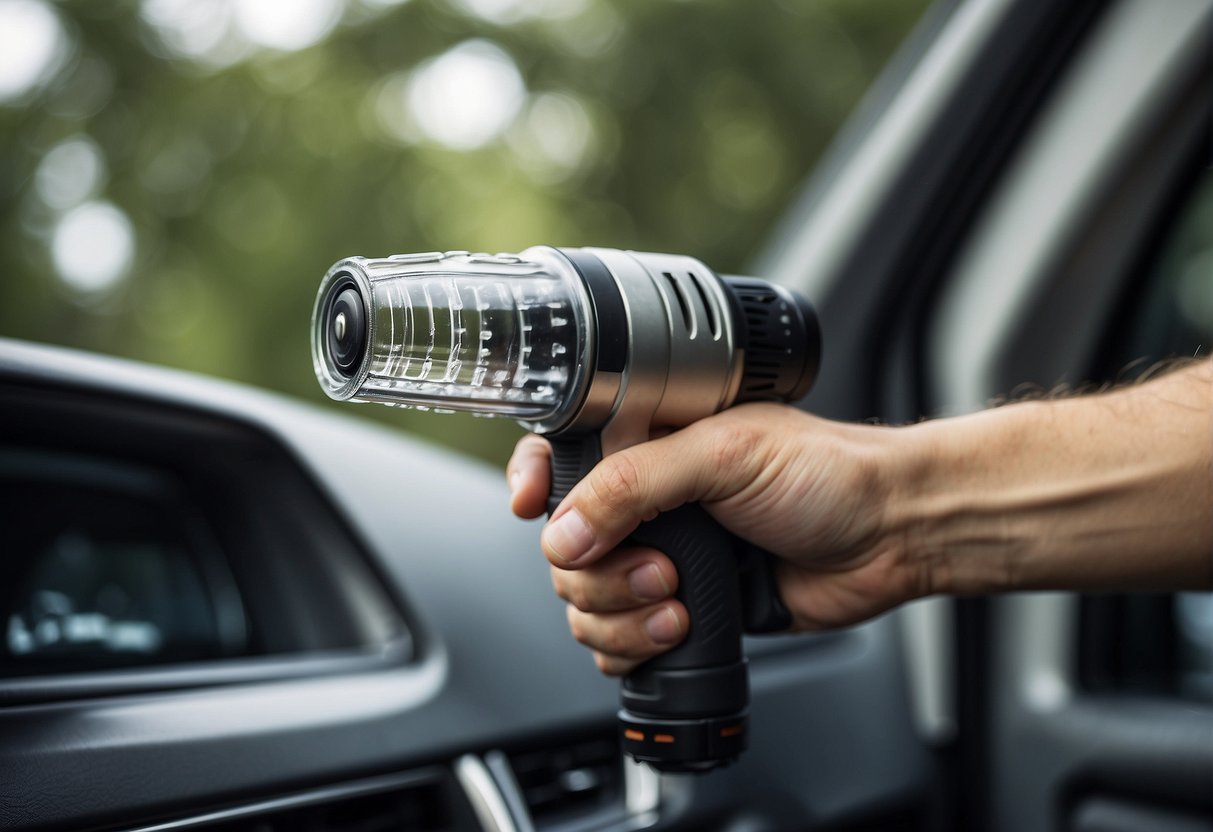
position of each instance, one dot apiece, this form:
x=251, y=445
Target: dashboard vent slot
x=572, y=780
x=425, y=801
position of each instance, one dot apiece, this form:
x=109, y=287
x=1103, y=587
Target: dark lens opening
x=345, y=327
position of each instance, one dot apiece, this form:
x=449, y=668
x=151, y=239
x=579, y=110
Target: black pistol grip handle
x=761, y=607
x=572, y=458
x=705, y=675
x=705, y=556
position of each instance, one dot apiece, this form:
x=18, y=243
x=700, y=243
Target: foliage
x=693, y=124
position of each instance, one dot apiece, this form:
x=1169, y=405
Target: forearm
x=1108, y=491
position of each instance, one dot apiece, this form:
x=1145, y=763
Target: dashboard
x=228, y=610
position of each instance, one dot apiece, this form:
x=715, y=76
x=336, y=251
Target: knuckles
x=610, y=638
x=733, y=445
x=573, y=589
x=616, y=483
x=612, y=665
x=577, y=627
x=578, y=594
x=614, y=643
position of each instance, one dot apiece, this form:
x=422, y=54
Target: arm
x=1112, y=491
x=1101, y=492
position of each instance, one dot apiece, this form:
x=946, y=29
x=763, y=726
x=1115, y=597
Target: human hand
x=810, y=491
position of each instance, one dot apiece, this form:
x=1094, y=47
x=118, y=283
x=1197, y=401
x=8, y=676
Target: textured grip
x=715, y=560
x=762, y=609
x=573, y=456
x=704, y=677
x=705, y=556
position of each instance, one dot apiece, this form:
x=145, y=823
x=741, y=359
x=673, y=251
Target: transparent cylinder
x=499, y=335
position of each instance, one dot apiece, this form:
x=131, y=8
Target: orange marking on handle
x=665, y=738
x=638, y=736
x=732, y=730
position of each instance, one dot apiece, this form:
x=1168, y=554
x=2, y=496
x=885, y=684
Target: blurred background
x=177, y=175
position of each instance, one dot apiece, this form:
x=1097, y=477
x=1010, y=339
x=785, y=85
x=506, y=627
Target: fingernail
x=647, y=583
x=515, y=479
x=663, y=626
x=568, y=537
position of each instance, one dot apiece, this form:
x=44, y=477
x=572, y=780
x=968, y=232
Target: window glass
x=144, y=535
x=1174, y=317
x=1162, y=644
x=103, y=570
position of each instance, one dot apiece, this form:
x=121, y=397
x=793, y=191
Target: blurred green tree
x=177, y=175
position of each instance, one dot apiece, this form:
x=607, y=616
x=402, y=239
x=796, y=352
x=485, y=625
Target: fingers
x=622, y=640
x=529, y=476
x=621, y=607
x=630, y=578
x=711, y=459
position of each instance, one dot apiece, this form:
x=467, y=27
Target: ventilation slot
x=688, y=319
x=709, y=309
x=571, y=781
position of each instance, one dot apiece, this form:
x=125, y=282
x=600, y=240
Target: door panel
x=1037, y=296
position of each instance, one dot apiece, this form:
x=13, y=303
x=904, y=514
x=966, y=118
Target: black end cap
x=781, y=338
x=684, y=745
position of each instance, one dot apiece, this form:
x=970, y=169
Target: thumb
x=637, y=483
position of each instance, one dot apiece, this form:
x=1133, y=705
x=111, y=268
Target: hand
x=805, y=489
x=1102, y=492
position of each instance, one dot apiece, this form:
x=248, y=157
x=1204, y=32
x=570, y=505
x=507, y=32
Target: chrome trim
x=499, y=766
x=641, y=787
x=928, y=633
x=482, y=792
x=813, y=262
x=241, y=670
x=327, y=794
x=1038, y=633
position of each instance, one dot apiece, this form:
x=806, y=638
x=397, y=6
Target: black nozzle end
x=344, y=323
x=781, y=337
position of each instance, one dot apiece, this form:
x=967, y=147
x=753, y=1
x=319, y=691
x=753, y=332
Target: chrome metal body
x=679, y=326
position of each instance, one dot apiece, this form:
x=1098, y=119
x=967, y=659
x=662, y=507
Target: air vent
x=708, y=306
x=688, y=319
x=569, y=781
x=425, y=801
x=782, y=341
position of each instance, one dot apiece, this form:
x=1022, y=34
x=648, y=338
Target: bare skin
x=1112, y=491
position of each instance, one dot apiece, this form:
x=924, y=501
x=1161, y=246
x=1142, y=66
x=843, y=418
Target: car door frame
x=876, y=243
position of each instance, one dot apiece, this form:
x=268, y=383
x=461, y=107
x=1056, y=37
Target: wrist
x=906, y=475
x=946, y=508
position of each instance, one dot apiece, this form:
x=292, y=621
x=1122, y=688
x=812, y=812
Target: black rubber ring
x=610, y=315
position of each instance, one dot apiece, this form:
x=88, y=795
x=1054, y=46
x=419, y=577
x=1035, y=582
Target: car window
x=161, y=542
x=1174, y=315
x=104, y=570
x=1161, y=643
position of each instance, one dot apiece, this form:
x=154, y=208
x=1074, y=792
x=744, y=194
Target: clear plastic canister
x=497, y=335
